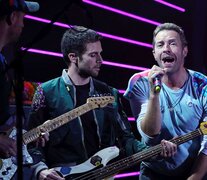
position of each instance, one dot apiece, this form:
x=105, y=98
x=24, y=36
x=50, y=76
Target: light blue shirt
x=182, y=111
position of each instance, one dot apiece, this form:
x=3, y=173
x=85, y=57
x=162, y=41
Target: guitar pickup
x=96, y=160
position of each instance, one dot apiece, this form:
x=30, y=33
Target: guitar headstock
x=203, y=128
x=101, y=101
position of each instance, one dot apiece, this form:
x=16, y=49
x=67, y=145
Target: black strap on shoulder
x=101, y=87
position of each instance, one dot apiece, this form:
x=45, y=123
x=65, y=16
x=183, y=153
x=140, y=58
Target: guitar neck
x=53, y=124
x=187, y=137
x=127, y=162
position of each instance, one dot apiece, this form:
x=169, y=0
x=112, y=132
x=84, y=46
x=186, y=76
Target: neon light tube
x=139, y=18
x=104, y=62
x=131, y=118
x=170, y=5
x=103, y=34
x=127, y=174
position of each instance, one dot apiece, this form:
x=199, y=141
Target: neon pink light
x=124, y=66
x=104, y=62
x=170, y=5
x=46, y=21
x=43, y=52
x=131, y=118
x=127, y=174
x=121, y=12
x=103, y=34
x=121, y=91
x=126, y=40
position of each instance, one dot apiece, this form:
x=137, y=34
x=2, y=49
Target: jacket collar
x=68, y=81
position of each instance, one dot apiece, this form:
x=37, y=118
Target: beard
x=84, y=74
x=87, y=73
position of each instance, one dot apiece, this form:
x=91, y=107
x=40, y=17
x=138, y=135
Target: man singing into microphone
x=168, y=101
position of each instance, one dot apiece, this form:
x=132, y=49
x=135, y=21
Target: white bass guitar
x=95, y=168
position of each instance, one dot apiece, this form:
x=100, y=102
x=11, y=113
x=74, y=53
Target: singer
x=170, y=106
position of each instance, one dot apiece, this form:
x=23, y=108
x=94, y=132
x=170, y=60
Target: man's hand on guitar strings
x=169, y=149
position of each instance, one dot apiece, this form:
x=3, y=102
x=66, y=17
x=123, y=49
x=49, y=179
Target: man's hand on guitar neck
x=7, y=147
x=169, y=149
x=44, y=137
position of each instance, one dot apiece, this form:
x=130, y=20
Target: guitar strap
x=101, y=88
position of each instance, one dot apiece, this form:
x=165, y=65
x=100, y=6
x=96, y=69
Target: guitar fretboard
x=127, y=162
x=55, y=123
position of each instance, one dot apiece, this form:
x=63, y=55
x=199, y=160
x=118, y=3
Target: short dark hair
x=74, y=40
x=170, y=26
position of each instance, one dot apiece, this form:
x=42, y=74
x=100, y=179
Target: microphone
x=157, y=84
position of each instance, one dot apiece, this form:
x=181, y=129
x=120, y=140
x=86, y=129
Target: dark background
x=40, y=68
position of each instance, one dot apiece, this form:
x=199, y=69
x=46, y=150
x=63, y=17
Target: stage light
x=127, y=174
x=131, y=119
x=120, y=65
x=103, y=34
x=170, y=5
x=139, y=18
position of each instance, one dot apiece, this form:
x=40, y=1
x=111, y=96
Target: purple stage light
x=126, y=40
x=46, y=21
x=127, y=174
x=103, y=34
x=131, y=119
x=139, y=18
x=104, y=62
x=124, y=66
x=38, y=51
x=170, y=5
x=121, y=91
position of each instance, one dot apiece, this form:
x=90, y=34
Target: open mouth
x=168, y=59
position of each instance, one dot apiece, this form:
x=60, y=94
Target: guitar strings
x=92, y=103
x=55, y=123
x=115, y=167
